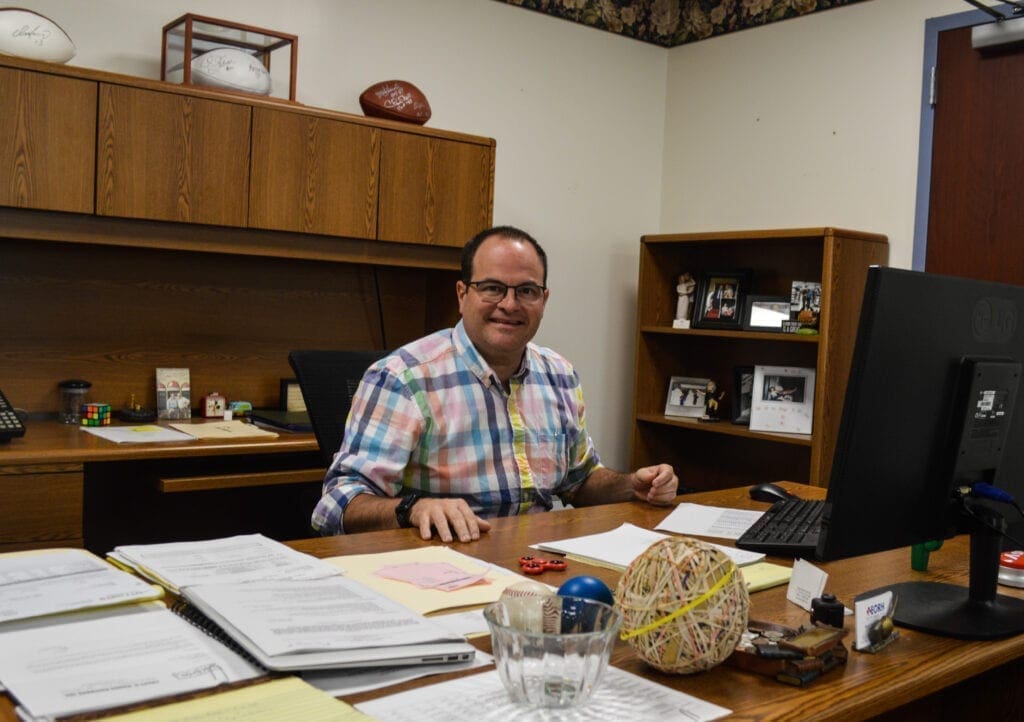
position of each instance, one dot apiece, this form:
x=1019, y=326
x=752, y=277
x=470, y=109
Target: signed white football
x=232, y=69
x=31, y=35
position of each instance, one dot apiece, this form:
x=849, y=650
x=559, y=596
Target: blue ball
x=587, y=587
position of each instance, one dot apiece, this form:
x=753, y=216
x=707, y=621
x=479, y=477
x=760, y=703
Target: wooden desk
x=60, y=486
x=920, y=675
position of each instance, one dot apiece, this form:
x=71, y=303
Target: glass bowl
x=560, y=665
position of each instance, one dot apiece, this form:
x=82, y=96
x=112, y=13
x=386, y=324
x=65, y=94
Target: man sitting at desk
x=475, y=421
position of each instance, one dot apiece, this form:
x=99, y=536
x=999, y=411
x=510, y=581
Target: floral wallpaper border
x=674, y=22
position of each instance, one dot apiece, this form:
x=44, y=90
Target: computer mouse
x=769, y=492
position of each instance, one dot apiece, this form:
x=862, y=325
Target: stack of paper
x=289, y=610
x=616, y=549
x=329, y=623
x=53, y=581
x=243, y=558
x=98, y=659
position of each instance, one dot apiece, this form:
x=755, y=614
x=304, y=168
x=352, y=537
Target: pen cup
x=72, y=396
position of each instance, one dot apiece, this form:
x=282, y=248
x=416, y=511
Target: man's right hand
x=447, y=516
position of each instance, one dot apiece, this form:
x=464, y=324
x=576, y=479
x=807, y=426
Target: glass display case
x=229, y=56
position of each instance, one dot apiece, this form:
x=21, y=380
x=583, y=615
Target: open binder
x=299, y=625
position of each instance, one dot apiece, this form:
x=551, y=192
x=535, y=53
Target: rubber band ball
x=684, y=605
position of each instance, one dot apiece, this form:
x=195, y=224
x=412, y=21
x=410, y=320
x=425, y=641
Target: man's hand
x=655, y=484
x=447, y=515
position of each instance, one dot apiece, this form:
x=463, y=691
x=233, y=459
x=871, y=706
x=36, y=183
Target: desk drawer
x=41, y=506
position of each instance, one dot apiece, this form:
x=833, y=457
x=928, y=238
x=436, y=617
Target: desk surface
x=933, y=673
x=916, y=666
x=51, y=442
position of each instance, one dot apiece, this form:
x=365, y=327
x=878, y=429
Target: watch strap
x=404, y=509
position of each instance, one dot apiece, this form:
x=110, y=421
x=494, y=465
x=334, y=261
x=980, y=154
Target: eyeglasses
x=495, y=291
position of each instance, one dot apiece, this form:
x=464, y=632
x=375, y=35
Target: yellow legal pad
x=279, y=699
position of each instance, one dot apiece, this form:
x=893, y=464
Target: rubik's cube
x=95, y=414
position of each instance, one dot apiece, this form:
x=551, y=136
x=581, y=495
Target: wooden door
x=48, y=132
x=433, y=190
x=313, y=175
x=975, y=217
x=171, y=157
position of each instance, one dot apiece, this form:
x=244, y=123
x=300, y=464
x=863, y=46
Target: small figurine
x=711, y=401
x=685, y=288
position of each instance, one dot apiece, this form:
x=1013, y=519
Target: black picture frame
x=720, y=299
x=742, y=394
x=765, y=313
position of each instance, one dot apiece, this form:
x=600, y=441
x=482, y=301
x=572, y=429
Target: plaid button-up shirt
x=433, y=417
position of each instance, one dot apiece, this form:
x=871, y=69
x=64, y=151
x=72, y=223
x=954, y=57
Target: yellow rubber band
x=682, y=610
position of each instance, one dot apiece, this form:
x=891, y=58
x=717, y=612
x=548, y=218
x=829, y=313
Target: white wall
x=577, y=114
x=807, y=122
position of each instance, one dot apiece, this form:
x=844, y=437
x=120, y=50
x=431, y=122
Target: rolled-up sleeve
x=382, y=429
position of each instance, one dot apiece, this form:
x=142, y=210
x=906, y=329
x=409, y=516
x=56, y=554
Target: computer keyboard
x=789, y=528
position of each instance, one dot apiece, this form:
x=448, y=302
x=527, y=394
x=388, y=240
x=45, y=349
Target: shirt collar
x=475, y=362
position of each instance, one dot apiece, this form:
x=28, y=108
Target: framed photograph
x=686, y=396
x=173, y=394
x=743, y=391
x=765, y=313
x=291, y=396
x=720, y=299
x=805, y=303
x=782, y=399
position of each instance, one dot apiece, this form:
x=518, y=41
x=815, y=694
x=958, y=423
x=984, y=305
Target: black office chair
x=328, y=381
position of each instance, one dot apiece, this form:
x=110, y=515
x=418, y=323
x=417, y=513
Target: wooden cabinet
x=47, y=141
x=434, y=191
x=172, y=157
x=721, y=454
x=42, y=506
x=313, y=174
x=127, y=243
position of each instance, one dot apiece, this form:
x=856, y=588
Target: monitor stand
x=950, y=610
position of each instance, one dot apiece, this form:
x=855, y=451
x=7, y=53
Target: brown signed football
x=395, y=100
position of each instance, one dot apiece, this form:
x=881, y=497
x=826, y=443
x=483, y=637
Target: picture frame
x=805, y=303
x=766, y=313
x=720, y=299
x=291, y=396
x=173, y=394
x=686, y=397
x=742, y=395
x=782, y=399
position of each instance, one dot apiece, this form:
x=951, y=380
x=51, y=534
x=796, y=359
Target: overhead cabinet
x=48, y=155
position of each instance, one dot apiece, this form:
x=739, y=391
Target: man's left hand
x=656, y=484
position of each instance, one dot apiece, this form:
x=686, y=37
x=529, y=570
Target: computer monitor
x=929, y=412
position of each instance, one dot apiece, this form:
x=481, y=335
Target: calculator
x=10, y=424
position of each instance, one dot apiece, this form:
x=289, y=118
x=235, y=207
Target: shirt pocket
x=546, y=457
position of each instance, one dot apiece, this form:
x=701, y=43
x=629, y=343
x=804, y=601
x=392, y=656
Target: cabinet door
x=313, y=175
x=432, y=190
x=48, y=150
x=41, y=507
x=171, y=157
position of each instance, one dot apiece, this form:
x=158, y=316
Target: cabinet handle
x=235, y=481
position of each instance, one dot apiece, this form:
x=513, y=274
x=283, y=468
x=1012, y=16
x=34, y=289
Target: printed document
x=713, y=521
x=619, y=547
x=51, y=581
x=620, y=696
x=323, y=623
x=244, y=558
x=82, y=666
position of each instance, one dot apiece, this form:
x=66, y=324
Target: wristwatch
x=404, y=508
